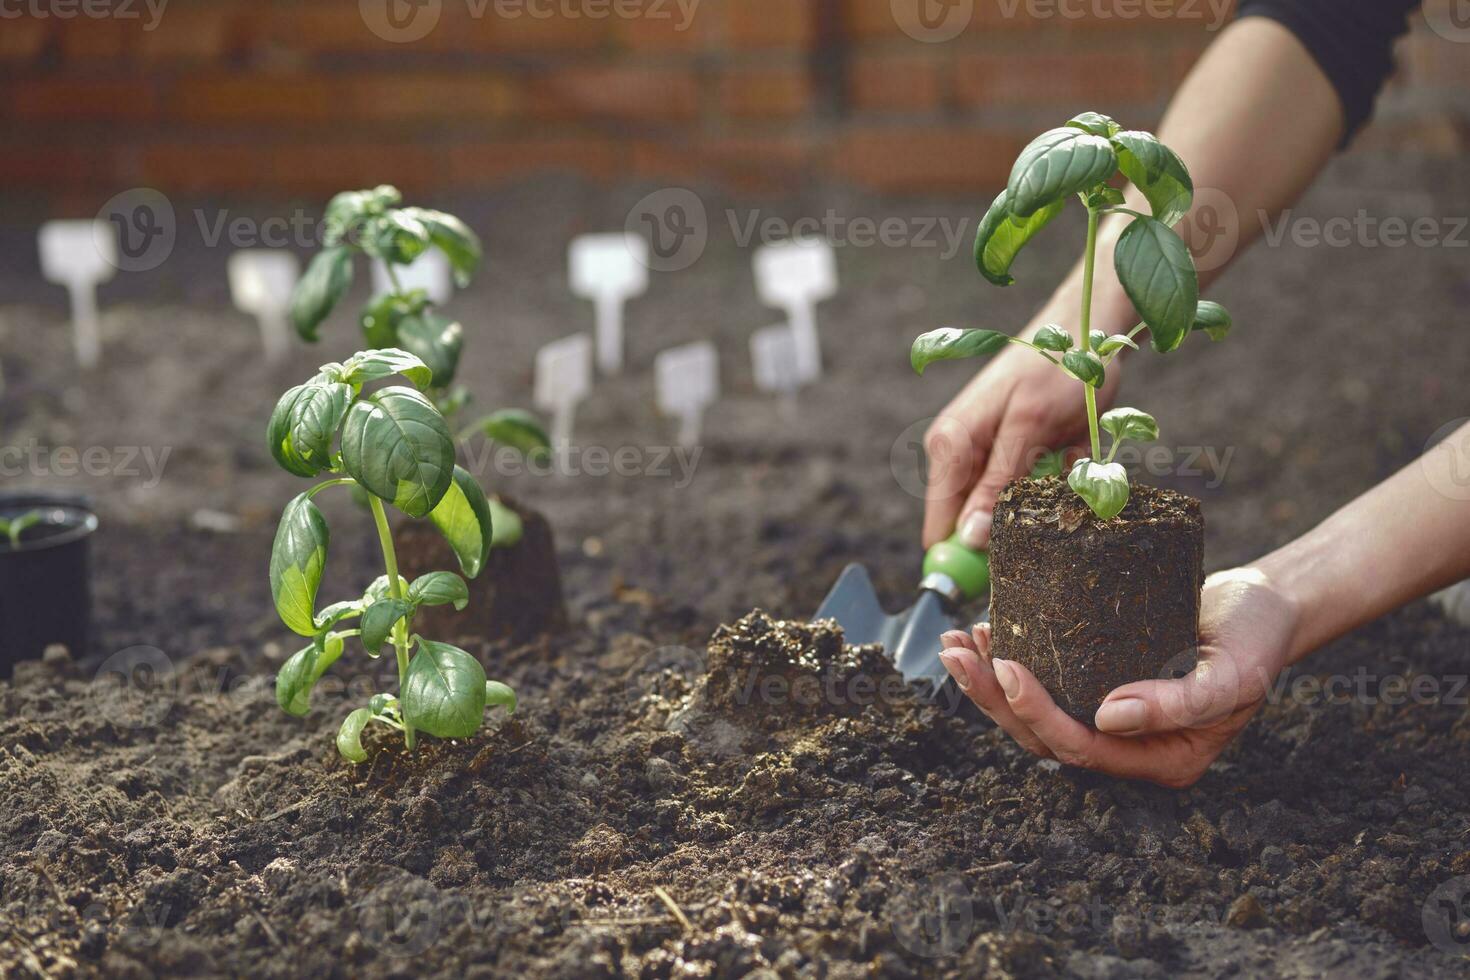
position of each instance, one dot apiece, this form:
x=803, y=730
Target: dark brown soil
x=1089, y=605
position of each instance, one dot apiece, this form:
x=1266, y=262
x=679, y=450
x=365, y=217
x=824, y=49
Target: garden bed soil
x=1088, y=605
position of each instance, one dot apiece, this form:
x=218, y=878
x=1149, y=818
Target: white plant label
x=80, y=255
x=429, y=272
x=609, y=270
x=261, y=282
x=563, y=378
x=795, y=276
x=686, y=382
x=773, y=359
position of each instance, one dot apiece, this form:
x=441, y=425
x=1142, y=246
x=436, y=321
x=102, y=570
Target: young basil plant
x=13, y=528
x=393, y=444
x=372, y=223
x=1084, y=158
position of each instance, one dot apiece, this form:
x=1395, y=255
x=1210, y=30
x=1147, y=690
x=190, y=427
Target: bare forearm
x=1401, y=540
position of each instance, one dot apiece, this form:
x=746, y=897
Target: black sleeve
x=1351, y=39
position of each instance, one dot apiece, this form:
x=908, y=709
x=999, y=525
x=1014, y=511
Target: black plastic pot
x=45, y=583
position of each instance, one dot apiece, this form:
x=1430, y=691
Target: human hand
x=1164, y=731
x=989, y=434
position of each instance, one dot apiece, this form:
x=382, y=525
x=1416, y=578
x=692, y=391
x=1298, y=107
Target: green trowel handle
x=969, y=569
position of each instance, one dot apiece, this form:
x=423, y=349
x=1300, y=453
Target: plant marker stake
x=79, y=255
x=795, y=276
x=261, y=283
x=609, y=269
x=563, y=378
x=687, y=381
x=773, y=363
x=429, y=272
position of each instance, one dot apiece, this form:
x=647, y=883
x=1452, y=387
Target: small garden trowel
x=953, y=574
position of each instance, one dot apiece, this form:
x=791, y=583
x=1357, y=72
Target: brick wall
x=269, y=96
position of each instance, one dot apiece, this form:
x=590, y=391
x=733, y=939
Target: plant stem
x=395, y=589
x=393, y=278
x=1087, y=270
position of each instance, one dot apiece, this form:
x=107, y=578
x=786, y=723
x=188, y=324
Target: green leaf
x=463, y=517
x=455, y=239
x=326, y=281
x=1116, y=342
x=436, y=340
x=1158, y=172
x=1056, y=164
x=336, y=612
x=1130, y=423
x=396, y=237
x=517, y=429
x=1086, y=367
x=1157, y=273
x=304, y=425
x=348, y=210
x=506, y=526
x=444, y=691
x=1213, y=319
x=1103, y=485
x=1053, y=337
x=1095, y=123
x=373, y=365
x=438, y=589
x=378, y=622
x=395, y=443
x=1050, y=464
x=381, y=317
x=952, y=343
x=1106, y=196
x=1095, y=338
x=297, y=559
x=381, y=704
x=379, y=589
x=349, y=736
x=499, y=695
x=299, y=674
x=1002, y=235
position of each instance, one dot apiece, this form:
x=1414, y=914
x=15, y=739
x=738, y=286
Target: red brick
x=1134, y=16
x=59, y=168
x=879, y=20
x=765, y=93
x=616, y=92
x=69, y=99
x=200, y=33
x=927, y=160
x=895, y=82
x=755, y=163
x=671, y=33
x=1073, y=80
x=88, y=40
x=318, y=167
x=23, y=40
x=769, y=23
x=369, y=98
x=486, y=163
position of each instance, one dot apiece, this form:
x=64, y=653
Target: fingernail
x=950, y=639
x=956, y=670
x=1125, y=715
x=980, y=632
x=975, y=532
x=1009, y=681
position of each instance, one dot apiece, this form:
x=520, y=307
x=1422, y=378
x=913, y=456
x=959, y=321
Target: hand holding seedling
x=394, y=444
x=1153, y=265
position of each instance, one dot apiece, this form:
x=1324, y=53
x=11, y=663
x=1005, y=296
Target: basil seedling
x=18, y=525
x=393, y=444
x=1153, y=264
x=371, y=222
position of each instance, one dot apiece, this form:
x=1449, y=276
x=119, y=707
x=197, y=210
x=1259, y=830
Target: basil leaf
x=517, y=429
x=507, y=529
x=952, y=343
x=1050, y=464
x=1057, y=163
x=396, y=237
x=463, y=517
x=378, y=622
x=1213, y=319
x=379, y=589
x=1158, y=172
x=299, y=674
x=304, y=424
x=1053, y=337
x=1095, y=338
x=1116, y=342
x=453, y=237
x=1157, y=273
x=347, y=211
x=1086, y=367
x=349, y=736
x=1095, y=123
x=1130, y=423
x=380, y=318
x=1103, y=485
x=326, y=281
x=444, y=691
x=499, y=695
x=372, y=365
x=438, y=589
x=1106, y=196
x=336, y=612
x=395, y=443
x=1002, y=235
x=297, y=559
x=436, y=340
